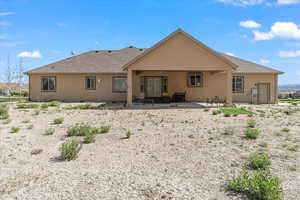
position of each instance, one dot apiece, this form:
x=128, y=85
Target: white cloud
x=288, y=30
x=2, y=37
x=6, y=13
x=288, y=54
x=243, y=3
x=230, y=54
x=250, y=24
x=28, y=54
x=287, y=2
x=264, y=61
x=4, y=23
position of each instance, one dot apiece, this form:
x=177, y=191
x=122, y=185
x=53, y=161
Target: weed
x=216, y=112
x=49, y=131
x=54, y=104
x=259, y=160
x=251, y=133
x=285, y=130
x=27, y=106
x=70, y=149
x=14, y=129
x=44, y=106
x=104, y=129
x=128, y=134
x=251, y=123
x=206, y=109
x=227, y=115
x=260, y=185
x=58, y=120
x=80, y=107
x=89, y=138
x=30, y=126
x=82, y=130
x=3, y=112
x=239, y=111
x=294, y=148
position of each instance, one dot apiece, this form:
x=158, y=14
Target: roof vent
x=131, y=47
x=109, y=51
x=96, y=51
x=141, y=49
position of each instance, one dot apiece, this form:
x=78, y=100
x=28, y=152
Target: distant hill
x=289, y=87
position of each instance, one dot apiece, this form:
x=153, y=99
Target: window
x=119, y=84
x=195, y=79
x=49, y=84
x=165, y=84
x=238, y=84
x=90, y=83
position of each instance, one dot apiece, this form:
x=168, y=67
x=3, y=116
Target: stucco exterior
x=71, y=87
x=174, y=57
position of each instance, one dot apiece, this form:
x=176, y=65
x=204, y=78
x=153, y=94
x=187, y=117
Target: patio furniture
x=179, y=97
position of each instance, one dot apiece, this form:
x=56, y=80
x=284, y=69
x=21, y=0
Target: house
x=177, y=64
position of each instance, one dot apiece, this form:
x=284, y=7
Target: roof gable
x=180, y=50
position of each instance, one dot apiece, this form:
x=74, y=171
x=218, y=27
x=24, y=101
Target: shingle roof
x=99, y=61
x=112, y=61
x=245, y=66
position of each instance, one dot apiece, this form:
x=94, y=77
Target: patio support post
x=129, y=87
x=229, y=88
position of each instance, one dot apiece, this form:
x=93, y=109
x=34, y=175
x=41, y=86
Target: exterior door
x=153, y=86
x=263, y=96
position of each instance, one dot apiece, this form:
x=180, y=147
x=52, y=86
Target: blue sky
x=42, y=31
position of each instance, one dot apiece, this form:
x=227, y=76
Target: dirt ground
x=176, y=153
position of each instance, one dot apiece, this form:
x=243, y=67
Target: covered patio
x=197, y=86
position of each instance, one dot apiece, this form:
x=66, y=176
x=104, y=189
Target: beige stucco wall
x=214, y=84
x=180, y=53
x=71, y=87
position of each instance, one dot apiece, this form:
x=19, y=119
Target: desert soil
x=172, y=154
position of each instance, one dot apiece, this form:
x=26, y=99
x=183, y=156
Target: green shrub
x=128, y=134
x=216, y=112
x=3, y=112
x=227, y=115
x=259, y=160
x=251, y=133
x=104, y=129
x=27, y=106
x=82, y=130
x=30, y=126
x=206, y=109
x=44, y=106
x=49, y=131
x=80, y=107
x=53, y=104
x=232, y=111
x=89, y=138
x=285, y=130
x=70, y=149
x=294, y=148
x=260, y=185
x=19, y=93
x=58, y=120
x=14, y=129
x=251, y=123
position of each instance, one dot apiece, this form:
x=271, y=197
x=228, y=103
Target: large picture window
x=238, y=84
x=195, y=79
x=48, y=84
x=90, y=83
x=119, y=84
